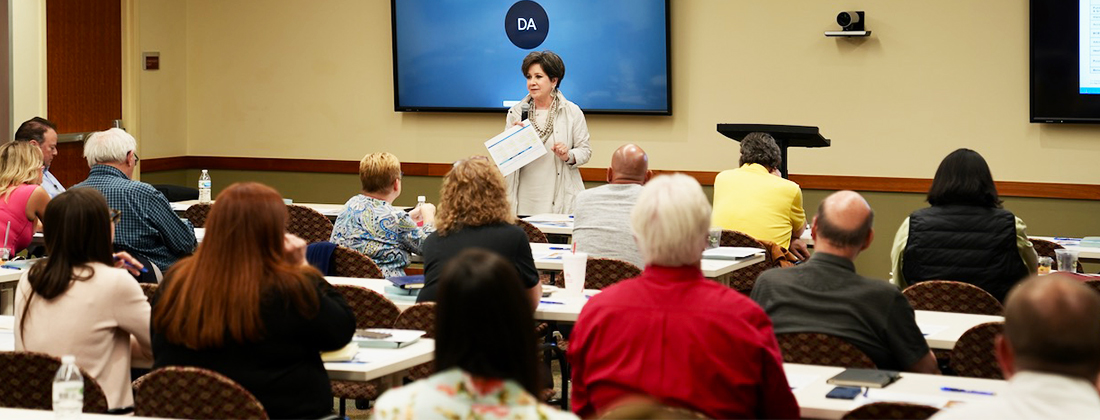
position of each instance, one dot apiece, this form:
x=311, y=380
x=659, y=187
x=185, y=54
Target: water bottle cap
x=68, y=359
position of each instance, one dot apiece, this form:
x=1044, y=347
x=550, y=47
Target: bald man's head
x=844, y=219
x=1052, y=324
x=629, y=165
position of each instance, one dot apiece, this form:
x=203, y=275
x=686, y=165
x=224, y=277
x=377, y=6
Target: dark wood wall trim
x=808, y=182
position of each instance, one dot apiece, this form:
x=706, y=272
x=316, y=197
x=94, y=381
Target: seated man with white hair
x=672, y=334
x=146, y=224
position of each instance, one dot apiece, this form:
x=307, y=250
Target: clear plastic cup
x=1067, y=259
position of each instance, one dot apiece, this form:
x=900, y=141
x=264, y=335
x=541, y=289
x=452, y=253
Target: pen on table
x=966, y=391
x=550, y=302
x=1059, y=238
x=128, y=264
x=559, y=248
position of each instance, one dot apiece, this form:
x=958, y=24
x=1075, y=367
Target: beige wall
x=28, y=62
x=287, y=78
x=161, y=126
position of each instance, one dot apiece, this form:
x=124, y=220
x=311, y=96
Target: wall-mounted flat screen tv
x=1065, y=61
x=465, y=56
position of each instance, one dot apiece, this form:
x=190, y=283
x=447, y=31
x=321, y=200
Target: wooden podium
x=785, y=136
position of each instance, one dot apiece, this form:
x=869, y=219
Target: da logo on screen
x=526, y=24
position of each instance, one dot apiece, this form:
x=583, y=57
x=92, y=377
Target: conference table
x=941, y=329
x=1084, y=253
x=329, y=210
x=552, y=224
x=368, y=364
x=9, y=278
x=808, y=383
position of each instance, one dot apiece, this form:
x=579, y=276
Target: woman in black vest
x=965, y=235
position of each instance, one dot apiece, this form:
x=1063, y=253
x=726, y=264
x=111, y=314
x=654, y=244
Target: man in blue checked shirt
x=147, y=225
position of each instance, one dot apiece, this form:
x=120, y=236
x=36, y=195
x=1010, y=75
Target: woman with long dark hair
x=249, y=307
x=966, y=235
x=485, y=355
x=77, y=301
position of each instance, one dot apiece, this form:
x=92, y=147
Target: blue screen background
x=456, y=54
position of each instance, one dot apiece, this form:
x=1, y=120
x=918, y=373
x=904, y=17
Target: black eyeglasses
x=115, y=215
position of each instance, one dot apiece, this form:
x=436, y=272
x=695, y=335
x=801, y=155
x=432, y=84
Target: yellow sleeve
x=798, y=215
x=1027, y=251
x=900, y=240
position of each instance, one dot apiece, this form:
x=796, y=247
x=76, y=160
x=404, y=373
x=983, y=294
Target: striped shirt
x=148, y=225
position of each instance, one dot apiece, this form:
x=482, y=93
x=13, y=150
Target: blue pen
x=559, y=248
x=550, y=302
x=127, y=263
x=965, y=391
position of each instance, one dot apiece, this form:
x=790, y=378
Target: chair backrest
x=420, y=316
x=372, y=310
x=744, y=279
x=534, y=235
x=347, y=262
x=26, y=381
x=1046, y=248
x=891, y=410
x=603, y=272
x=821, y=349
x=307, y=223
x=150, y=290
x=197, y=214
x=185, y=392
x=952, y=296
x=1094, y=284
x=974, y=354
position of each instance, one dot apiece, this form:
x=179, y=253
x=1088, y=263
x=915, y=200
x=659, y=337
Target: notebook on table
x=871, y=378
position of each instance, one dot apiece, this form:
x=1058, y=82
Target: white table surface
x=956, y=324
x=912, y=387
x=548, y=257
x=549, y=223
x=372, y=363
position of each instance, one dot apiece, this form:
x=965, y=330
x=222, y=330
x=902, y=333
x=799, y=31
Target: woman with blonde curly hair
x=22, y=198
x=474, y=212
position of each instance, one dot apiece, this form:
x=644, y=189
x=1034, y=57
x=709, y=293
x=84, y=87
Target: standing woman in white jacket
x=551, y=183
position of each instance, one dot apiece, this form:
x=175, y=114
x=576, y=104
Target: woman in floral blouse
x=485, y=353
x=371, y=225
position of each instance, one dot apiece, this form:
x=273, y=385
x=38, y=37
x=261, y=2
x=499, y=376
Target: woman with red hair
x=247, y=305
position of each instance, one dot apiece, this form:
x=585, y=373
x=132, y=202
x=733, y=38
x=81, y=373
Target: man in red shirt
x=673, y=334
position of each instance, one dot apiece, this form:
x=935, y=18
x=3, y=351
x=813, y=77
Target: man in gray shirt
x=825, y=295
x=601, y=216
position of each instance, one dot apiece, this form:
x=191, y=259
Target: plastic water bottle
x=68, y=390
x=420, y=200
x=204, y=187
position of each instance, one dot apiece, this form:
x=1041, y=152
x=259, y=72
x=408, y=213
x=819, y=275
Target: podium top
x=792, y=135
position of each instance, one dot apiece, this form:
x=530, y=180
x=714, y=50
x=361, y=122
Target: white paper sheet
x=799, y=380
x=515, y=148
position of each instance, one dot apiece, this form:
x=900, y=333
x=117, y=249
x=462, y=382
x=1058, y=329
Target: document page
x=515, y=148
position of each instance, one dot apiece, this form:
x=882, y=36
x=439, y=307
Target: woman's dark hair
x=760, y=148
x=963, y=178
x=551, y=64
x=77, y=229
x=483, y=318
